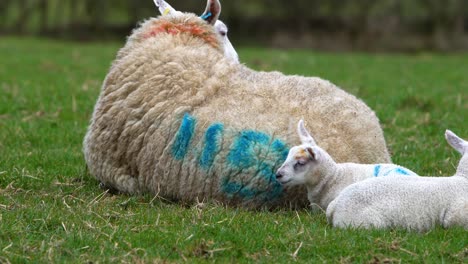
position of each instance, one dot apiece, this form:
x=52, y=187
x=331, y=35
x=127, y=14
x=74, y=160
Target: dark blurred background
x=367, y=25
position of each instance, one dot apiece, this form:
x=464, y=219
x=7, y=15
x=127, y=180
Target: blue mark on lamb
x=377, y=170
x=213, y=136
x=183, y=137
x=398, y=170
x=391, y=169
x=401, y=171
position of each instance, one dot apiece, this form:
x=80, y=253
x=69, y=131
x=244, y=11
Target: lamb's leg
x=366, y=219
x=456, y=214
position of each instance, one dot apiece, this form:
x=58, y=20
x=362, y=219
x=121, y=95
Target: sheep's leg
x=107, y=188
x=127, y=184
x=120, y=183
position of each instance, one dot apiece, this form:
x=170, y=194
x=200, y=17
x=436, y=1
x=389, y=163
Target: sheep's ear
x=457, y=143
x=165, y=8
x=304, y=135
x=312, y=153
x=212, y=11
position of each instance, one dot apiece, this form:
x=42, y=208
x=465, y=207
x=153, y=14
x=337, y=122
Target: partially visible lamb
x=310, y=165
x=209, y=16
x=414, y=203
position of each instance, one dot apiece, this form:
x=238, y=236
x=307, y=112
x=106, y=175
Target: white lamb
x=414, y=203
x=310, y=165
x=210, y=17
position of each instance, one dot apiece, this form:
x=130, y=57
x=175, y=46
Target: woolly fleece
x=414, y=203
x=164, y=93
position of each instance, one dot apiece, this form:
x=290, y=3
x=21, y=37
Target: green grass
x=51, y=210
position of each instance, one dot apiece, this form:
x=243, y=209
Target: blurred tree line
x=329, y=24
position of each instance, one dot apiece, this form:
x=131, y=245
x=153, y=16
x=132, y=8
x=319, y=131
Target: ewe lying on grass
x=310, y=165
x=178, y=118
x=414, y=203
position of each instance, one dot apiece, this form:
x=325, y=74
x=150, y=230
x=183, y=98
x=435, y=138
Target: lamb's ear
x=165, y=8
x=212, y=11
x=312, y=153
x=457, y=143
x=304, y=135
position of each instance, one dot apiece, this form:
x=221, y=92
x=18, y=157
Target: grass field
x=51, y=210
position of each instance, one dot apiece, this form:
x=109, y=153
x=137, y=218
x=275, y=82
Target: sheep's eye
x=223, y=33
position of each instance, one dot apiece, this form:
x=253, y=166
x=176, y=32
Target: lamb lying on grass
x=310, y=165
x=414, y=203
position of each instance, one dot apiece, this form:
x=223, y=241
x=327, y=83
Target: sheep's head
x=461, y=146
x=211, y=15
x=302, y=161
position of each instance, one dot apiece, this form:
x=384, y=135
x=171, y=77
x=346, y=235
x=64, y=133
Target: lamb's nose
x=279, y=175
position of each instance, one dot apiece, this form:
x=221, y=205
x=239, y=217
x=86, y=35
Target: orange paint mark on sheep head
x=177, y=28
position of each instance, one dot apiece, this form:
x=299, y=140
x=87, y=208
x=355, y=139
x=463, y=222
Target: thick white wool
x=178, y=119
x=414, y=203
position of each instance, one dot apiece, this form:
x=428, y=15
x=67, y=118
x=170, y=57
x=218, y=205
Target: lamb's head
x=461, y=146
x=211, y=15
x=305, y=162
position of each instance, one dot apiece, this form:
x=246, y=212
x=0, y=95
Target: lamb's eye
x=223, y=33
x=299, y=164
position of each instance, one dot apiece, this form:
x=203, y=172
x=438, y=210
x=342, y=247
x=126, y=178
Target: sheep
x=412, y=203
x=177, y=118
x=221, y=28
x=310, y=165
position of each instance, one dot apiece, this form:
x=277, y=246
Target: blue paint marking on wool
x=248, y=193
x=245, y=192
x=241, y=152
x=231, y=187
x=212, y=137
x=275, y=192
x=270, y=176
x=388, y=172
x=183, y=137
x=377, y=170
x=251, y=153
x=242, y=156
x=206, y=16
x=401, y=171
x=281, y=148
x=397, y=170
